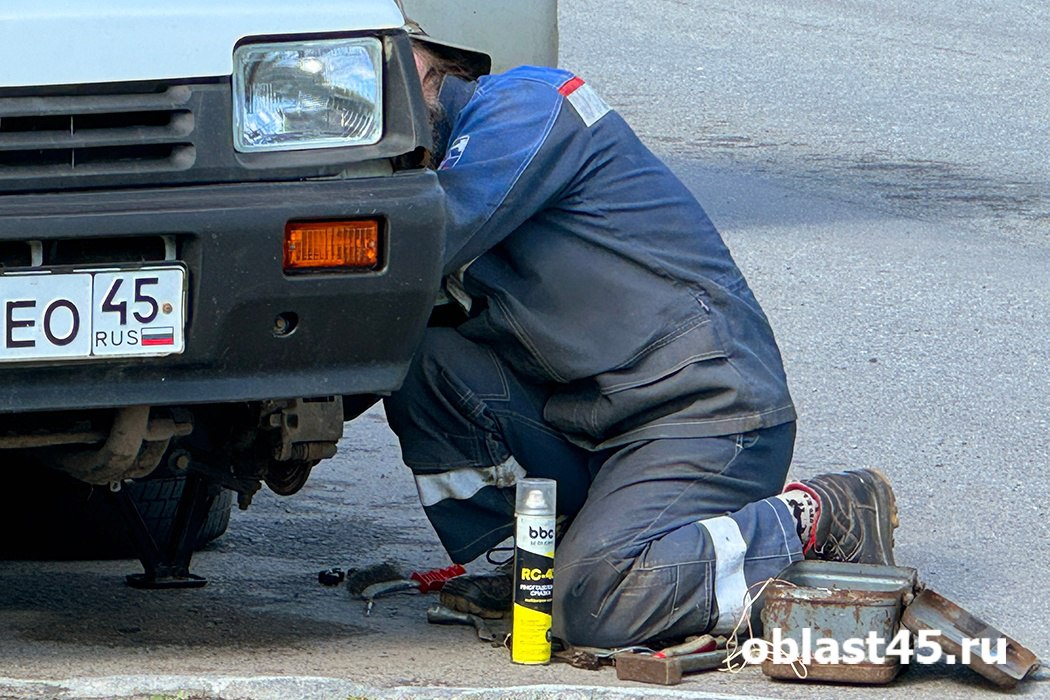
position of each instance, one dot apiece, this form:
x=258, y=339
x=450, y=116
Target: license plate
x=83, y=314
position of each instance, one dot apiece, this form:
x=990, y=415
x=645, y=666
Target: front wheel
x=46, y=514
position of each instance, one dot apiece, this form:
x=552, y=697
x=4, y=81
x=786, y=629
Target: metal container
x=950, y=626
x=813, y=600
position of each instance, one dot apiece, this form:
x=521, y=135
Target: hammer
x=647, y=668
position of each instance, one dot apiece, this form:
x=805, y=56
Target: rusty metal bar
x=25, y=442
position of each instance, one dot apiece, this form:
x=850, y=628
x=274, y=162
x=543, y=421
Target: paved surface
x=881, y=173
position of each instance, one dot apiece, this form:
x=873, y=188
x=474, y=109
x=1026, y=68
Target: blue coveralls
x=613, y=345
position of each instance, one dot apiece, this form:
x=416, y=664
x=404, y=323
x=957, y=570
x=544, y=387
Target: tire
x=45, y=514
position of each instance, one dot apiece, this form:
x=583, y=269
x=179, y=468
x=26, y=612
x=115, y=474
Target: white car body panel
x=67, y=42
x=513, y=32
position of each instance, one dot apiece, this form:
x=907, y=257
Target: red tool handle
x=434, y=579
x=703, y=643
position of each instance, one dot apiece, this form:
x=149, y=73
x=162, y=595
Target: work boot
x=489, y=595
x=856, y=516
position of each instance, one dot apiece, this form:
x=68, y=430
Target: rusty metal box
x=813, y=600
x=816, y=600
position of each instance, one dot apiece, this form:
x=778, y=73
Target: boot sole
x=463, y=605
x=887, y=519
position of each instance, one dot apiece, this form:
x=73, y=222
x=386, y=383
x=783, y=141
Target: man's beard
x=438, y=134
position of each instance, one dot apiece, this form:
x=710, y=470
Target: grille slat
x=97, y=161
x=65, y=136
x=173, y=98
x=29, y=140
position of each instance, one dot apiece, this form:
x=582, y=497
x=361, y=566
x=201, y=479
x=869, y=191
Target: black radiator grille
x=71, y=135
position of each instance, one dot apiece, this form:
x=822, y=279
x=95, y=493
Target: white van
x=215, y=225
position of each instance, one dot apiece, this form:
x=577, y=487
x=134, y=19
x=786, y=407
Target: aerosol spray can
x=534, y=513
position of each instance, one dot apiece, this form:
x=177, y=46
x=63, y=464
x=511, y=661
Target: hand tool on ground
x=577, y=658
x=647, y=668
x=593, y=658
x=424, y=582
x=434, y=580
x=440, y=615
x=385, y=588
x=692, y=645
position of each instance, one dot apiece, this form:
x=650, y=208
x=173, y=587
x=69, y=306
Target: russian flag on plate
x=158, y=335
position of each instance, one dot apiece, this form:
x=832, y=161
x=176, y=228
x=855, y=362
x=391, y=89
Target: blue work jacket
x=588, y=266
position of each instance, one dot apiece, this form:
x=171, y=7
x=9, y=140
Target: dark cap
x=476, y=62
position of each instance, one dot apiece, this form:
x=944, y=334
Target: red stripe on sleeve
x=570, y=86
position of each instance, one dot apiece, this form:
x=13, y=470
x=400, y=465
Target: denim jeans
x=664, y=536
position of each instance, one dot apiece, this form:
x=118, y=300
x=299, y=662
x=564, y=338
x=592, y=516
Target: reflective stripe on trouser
x=471, y=508
x=731, y=594
x=463, y=484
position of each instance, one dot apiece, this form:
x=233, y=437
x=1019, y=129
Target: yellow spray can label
x=533, y=589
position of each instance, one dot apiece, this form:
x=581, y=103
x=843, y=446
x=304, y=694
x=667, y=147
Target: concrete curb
x=313, y=688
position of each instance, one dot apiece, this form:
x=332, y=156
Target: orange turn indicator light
x=331, y=245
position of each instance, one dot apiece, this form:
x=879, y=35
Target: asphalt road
x=880, y=171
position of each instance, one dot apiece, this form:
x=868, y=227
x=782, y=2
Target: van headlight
x=307, y=94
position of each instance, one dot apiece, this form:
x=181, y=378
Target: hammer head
x=646, y=668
